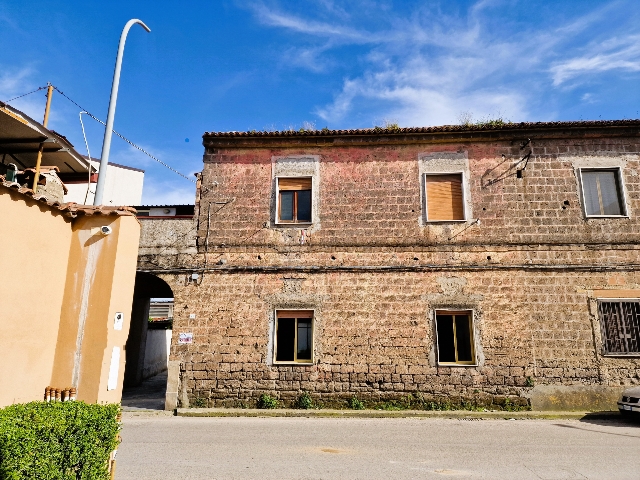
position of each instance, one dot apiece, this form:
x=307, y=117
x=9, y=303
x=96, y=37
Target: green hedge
x=58, y=440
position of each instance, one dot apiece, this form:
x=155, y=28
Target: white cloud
x=16, y=81
x=617, y=54
x=167, y=192
x=426, y=67
x=13, y=81
x=310, y=58
x=587, y=98
x=275, y=18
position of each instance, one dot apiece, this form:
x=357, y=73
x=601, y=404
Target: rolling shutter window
x=287, y=184
x=444, y=197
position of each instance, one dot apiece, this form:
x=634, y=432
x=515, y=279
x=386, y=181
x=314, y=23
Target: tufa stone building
x=467, y=263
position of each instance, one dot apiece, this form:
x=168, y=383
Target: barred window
x=620, y=323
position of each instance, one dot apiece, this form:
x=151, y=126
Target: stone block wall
x=526, y=261
x=370, y=195
x=374, y=334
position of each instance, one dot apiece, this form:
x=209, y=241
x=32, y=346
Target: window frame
x=620, y=181
x=284, y=223
x=603, y=331
x=463, y=193
x=470, y=314
x=295, y=361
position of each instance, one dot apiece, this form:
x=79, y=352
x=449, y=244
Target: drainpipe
x=44, y=124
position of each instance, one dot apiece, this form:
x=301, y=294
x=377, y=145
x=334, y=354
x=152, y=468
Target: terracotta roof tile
x=435, y=129
x=69, y=209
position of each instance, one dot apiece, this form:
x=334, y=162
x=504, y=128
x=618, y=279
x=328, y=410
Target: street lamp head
x=142, y=24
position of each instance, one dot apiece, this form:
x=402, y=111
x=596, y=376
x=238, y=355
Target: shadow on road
x=611, y=419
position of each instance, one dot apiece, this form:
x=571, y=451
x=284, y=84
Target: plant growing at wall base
x=57, y=441
x=304, y=401
x=355, y=403
x=199, y=402
x=266, y=401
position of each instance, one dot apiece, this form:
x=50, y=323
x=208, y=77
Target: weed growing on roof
x=466, y=118
x=386, y=126
x=266, y=402
x=492, y=122
x=308, y=127
x=391, y=124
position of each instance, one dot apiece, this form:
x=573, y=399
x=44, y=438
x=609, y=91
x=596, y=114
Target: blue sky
x=273, y=65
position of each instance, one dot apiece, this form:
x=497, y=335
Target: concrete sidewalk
x=327, y=413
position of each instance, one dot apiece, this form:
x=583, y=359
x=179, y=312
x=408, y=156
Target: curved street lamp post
x=106, y=143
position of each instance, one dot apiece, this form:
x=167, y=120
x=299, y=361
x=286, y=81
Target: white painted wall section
x=156, y=355
x=123, y=187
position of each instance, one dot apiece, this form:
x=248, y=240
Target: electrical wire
x=25, y=94
x=122, y=137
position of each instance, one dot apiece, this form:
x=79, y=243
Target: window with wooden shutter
x=444, y=197
x=602, y=193
x=294, y=200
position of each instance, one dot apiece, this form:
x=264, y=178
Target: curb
x=454, y=414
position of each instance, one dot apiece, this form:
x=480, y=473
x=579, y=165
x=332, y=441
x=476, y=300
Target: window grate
x=620, y=322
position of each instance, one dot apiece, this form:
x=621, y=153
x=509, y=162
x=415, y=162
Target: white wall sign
x=118, y=321
x=112, y=382
x=192, y=315
x=185, y=338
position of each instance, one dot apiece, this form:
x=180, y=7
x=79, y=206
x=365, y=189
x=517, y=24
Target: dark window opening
x=286, y=338
x=620, y=322
x=455, y=337
x=294, y=336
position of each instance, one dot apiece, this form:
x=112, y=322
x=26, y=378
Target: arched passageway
x=147, y=349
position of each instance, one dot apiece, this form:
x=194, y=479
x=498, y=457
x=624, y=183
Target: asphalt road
x=164, y=447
